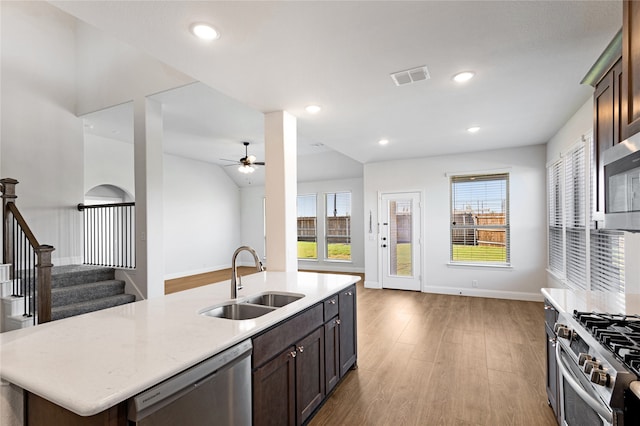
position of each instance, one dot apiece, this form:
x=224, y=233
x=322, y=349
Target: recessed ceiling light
x=204, y=31
x=313, y=109
x=383, y=141
x=461, y=77
x=474, y=129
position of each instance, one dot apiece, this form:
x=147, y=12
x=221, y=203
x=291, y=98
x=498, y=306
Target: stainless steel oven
x=622, y=185
x=592, y=380
x=579, y=404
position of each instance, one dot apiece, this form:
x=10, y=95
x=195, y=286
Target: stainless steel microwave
x=622, y=185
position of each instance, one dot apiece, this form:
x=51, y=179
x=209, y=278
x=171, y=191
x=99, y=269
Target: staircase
x=75, y=290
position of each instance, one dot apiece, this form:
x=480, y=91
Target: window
x=338, y=226
x=307, y=227
x=480, y=219
x=555, y=218
x=579, y=254
x=575, y=217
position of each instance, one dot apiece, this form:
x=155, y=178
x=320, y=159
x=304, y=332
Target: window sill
x=308, y=260
x=479, y=265
x=338, y=261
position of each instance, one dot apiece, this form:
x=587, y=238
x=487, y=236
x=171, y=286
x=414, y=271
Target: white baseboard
x=494, y=294
x=372, y=284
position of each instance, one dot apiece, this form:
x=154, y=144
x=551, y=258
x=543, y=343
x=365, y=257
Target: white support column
x=149, y=274
x=281, y=190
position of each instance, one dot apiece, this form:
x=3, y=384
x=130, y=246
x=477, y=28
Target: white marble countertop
x=566, y=300
x=91, y=362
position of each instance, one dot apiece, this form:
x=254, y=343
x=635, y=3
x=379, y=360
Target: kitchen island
x=90, y=363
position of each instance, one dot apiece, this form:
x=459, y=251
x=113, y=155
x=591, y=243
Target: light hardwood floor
x=427, y=359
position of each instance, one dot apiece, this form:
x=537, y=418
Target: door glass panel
x=400, y=238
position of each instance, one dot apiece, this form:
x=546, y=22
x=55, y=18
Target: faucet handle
x=260, y=266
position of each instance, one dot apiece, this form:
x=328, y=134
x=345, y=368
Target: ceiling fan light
x=251, y=158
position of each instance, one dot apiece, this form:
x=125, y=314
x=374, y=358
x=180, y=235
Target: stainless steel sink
x=237, y=311
x=273, y=299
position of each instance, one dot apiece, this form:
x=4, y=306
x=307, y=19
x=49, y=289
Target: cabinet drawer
x=330, y=307
x=286, y=333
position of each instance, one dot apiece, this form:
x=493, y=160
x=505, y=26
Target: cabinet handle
x=332, y=301
x=553, y=342
x=293, y=354
x=300, y=349
x=337, y=322
x=349, y=293
x=549, y=307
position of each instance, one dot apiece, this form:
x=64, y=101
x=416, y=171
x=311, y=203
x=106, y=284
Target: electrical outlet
x=474, y=283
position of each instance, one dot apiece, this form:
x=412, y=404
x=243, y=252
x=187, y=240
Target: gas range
x=598, y=355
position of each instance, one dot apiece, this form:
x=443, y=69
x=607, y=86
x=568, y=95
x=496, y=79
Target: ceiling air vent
x=401, y=78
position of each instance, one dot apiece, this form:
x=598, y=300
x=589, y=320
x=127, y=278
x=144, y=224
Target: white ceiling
x=529, y=58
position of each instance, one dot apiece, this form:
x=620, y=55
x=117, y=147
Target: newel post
x=43, y=266
x=8, y=196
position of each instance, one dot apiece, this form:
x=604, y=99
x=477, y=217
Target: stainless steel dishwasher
x=215, y=392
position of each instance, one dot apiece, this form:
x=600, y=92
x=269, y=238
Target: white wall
x=42, y=145
x=253, y=225
x=108, y=161
x=526, y=167
x=111, y=72
x=201, y=217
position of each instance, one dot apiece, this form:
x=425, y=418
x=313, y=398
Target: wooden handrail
x=43, y=265
x=23, y=224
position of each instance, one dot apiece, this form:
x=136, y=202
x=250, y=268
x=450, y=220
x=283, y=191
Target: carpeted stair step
x=90, y=306
x=84, y=292
x=70, y=275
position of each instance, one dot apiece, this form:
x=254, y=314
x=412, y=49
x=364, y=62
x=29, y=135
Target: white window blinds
x=607, y=261
x=575, y=217
x=555, y=218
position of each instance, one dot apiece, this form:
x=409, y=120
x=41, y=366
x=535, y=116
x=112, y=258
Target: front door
x=400, y=241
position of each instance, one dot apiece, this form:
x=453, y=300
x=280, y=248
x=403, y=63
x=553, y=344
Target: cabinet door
x=331, y=354
x=310, y=374
x=348, y=338
x=552, y=372
x=274, y=391
x=607, y=123
x=630, y=68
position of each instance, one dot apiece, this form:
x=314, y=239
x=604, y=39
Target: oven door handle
x=591, y=401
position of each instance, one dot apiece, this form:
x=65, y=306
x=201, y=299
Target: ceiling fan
x=247, y=162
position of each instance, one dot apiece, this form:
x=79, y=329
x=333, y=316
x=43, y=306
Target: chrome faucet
x=236, y=281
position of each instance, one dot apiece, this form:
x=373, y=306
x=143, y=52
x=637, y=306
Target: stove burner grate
x=620, y=334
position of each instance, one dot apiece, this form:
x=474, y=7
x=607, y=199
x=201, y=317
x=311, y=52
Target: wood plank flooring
x=428, y=359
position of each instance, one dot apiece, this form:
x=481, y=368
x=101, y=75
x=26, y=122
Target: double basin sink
x=252, y=306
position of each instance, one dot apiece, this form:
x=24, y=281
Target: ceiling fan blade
x=258, y=163
x=233, y=161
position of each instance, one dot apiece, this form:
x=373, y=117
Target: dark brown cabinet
x=630, y=113
x=290, y=387
x=310, y=374
x=297, y=363
x=607, y=126
x=331, y=353
x=274, y=399
x=348, y=332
